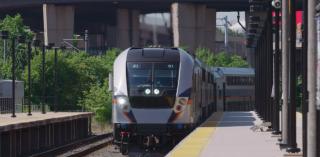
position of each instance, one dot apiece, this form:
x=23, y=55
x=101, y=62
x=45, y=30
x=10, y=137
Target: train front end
x=151, y=95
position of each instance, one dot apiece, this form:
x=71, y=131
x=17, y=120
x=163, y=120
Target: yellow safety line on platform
x=193, y=144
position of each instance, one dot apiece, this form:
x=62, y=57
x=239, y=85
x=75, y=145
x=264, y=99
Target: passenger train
x=159, y=94
x=235, y=88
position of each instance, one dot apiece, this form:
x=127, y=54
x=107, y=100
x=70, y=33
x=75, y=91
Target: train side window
x=203, y=75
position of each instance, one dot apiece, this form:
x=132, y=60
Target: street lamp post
x=276, y=129
x=29, y=77
x=13, y=49
x=44, y=47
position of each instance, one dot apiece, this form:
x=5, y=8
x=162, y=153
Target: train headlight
x=156, y=91
x=147, y=91
x=123, y=103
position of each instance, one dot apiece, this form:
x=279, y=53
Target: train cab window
x=165, y=75
x=139, y=76
x=152, y=85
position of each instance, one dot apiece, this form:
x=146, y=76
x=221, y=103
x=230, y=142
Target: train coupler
x=124, y=143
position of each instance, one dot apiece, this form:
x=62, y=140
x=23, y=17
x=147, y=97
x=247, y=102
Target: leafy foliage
x=98, y=100
x=15, y=27
x=81, y=79
x=221, y=59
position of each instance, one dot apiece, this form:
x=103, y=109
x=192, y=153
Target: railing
x=5, y=105
x=20, y=106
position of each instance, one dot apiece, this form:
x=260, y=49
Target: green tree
x=221, y=59
x=15, y=27
x=99, y=101
x=237, y=61
x=81, y=78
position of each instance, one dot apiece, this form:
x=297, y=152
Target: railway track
x=80, y=147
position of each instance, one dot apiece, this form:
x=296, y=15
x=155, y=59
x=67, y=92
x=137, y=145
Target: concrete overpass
x=225, y=5
x=115, y=23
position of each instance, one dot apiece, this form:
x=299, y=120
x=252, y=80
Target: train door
x=220, y=94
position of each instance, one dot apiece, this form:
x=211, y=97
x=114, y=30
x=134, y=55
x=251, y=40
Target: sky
x=160, y=19
x=232, y=18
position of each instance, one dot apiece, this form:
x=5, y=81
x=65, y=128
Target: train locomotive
x=159, y=94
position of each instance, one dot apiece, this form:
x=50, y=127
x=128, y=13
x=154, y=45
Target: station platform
x=25, y=135
x=231, y=134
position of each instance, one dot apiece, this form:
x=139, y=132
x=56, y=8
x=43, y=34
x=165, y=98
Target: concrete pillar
x=183, y=25
x=193, y=26
x=210, y=29
x=200, y=23
x=135, y=16
x=127, y=28
x=58, y=23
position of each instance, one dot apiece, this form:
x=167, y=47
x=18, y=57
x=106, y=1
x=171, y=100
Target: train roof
x=6, y=81
x=160, y=54
x=220, y=71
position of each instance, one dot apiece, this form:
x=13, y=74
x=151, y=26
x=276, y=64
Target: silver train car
x=159, y=94
x=235, y=88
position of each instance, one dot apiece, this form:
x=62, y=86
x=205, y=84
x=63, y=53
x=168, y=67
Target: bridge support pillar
x=58, y=22
x=210, y=29
x=127, y=28
x=193, y=26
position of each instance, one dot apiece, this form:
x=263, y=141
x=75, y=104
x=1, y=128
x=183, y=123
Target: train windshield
x=152, y=83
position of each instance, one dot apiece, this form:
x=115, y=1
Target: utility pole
x=225, y=25
x=86, y=45
x=226, y=31
x=312, y=81
x=285, y=52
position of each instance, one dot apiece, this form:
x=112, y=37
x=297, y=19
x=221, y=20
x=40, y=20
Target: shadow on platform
x=235, y=119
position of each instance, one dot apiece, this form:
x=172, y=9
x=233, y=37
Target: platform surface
x=229, y=134
x=22, y=120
